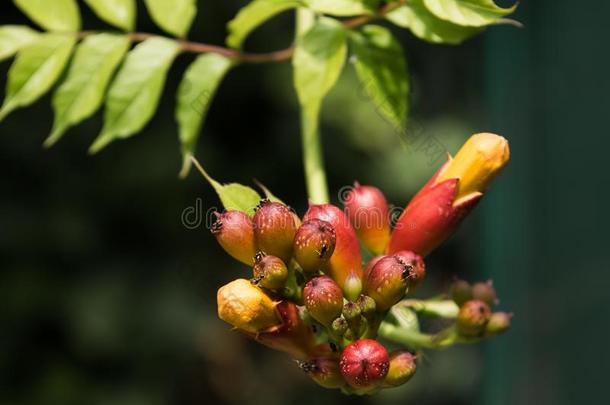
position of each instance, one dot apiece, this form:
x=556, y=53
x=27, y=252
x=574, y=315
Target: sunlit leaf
x=53, y=15
x=120, y=13
x=134, y=95
x=234, y=196
x=13, y=38
x=382, y=69
x=469, y=13
x=175, y=16
x=318, y=60
x=425, y=25
x=82, y=93
x=195, y=94
x=253, y=15
x=343, y=7
x=35, y=70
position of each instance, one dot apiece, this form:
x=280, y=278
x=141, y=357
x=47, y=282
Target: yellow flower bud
x=477, y=163
x=247, y=307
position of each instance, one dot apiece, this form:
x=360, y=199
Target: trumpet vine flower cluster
x=311, y=295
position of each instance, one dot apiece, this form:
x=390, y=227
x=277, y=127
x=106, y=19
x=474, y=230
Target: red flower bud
x=324, y=371
x=346, y=260
x=364, y=364
x=438, y=208
x=499, y=322
x=235, y=233
x=388, y=280
x=485, y=292
x=371, y=264
x=460, y=292
x=418, y=270
x=323, y=299
x=402, y=368
x=368, y=211
x=274, y=229
x=473, y=318
x=314, y=245
x=269, y=272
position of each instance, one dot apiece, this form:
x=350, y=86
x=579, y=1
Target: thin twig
x=246, y=57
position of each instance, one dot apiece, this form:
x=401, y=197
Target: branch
x=269, y=57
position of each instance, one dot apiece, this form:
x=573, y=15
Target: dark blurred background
x=108, y=298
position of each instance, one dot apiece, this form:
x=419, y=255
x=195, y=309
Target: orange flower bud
x=477, y=163
x=439, y=207
x=247, y=307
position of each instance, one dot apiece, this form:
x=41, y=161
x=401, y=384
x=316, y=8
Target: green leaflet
x=134, y=95
x=13, y=38
x=318, y=59
x=382, y=69
x=425, y=25
x=175, y=16
x=120, y=13
x=234, y=196
x=53, y=15
x=253, y=15
x=82, y=93
x=36, y=69
x=468, y=13
x=343, y=8
x=195, y=94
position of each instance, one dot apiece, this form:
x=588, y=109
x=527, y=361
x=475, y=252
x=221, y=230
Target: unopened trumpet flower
x=314, y=245
x=323, y=299
x=234, y=231
x=324, y=371
x=269, y=272
x=345, y=265
x=388, y=280
x=438, y=208
x=369, y=213
x=274, y=229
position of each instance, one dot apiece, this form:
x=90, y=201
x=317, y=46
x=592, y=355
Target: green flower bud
x=485, y=292
x=339, y=326
x=499, y=322
x=367, y=305
x=402, y=367
x=460, y=292
x=473, y=318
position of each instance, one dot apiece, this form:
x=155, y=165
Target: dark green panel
x=546, y=226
